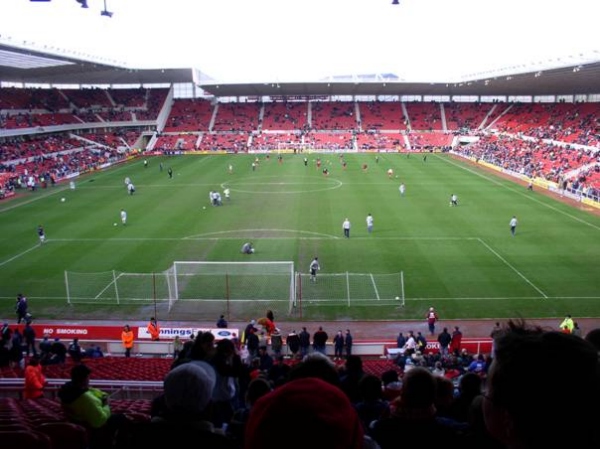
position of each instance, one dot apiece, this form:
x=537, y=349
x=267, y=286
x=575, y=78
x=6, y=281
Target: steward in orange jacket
x=127, y=339
x=154, y=329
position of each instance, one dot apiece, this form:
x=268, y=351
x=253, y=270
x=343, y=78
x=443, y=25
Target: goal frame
x=227, y=269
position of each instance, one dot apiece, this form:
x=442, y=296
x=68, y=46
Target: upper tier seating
x=189, y=115
x=382, y=115
x=330, y=115
x=424, y=116
x=285, y=116
x=466, y=115
x=236, y=117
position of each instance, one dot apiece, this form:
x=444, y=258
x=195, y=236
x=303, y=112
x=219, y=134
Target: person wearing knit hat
x=185, y=418
x=324, y=412
x=188, y=390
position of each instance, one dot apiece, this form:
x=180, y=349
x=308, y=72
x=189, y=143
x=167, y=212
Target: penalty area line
x=513, y=268
x=19, y=255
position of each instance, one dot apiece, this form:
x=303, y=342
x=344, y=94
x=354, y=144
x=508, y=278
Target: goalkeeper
x=247, y=248
x=314, y=267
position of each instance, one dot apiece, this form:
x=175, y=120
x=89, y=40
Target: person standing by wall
x=338, y=345
x=320, y=338
x=348, y=341
x=127, y=339
x=432, y=318
x=293, y=344
x=177, y=346
x=21, y=308
x=29, y=338
x=304, y=337
x=153, y=329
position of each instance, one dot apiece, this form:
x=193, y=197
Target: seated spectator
x=94, y=352
x=222, y=322
x=317, y=365
x=75, y=350
x=371, y=406
x=256, y=389
x=313, y=412
x=532, y=400
x=351, y=375
x=186, y=419
x=593, y=337
x=35, y=381
x=5, y=333
x=469, y=387
x=4, y=356
x=89, y=406
x=16, y=350
x=413, y=413
x=45, y=346
x=57, y=355
x=392, y=386
x=478, y=365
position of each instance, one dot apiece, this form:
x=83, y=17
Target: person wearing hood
x=83, y=403
x=89, y=406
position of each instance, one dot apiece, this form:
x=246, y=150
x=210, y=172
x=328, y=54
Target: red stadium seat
x=21, y=439
x=65, y=435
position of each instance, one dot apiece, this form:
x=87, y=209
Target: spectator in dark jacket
x=222, y=322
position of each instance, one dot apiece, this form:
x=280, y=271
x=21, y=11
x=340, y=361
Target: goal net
x=347, y=289
x=115, y=287
x=296, y=147
x=239, y=289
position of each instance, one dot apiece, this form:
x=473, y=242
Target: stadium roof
x=24, y=65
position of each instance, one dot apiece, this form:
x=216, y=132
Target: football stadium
x=199, y=223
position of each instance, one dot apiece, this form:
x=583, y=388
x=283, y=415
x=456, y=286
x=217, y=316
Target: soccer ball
x=204, y=207
x=397, y=298
x=63, y=199
x=114, y=224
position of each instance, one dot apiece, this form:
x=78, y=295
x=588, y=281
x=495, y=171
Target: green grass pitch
x=462, y=260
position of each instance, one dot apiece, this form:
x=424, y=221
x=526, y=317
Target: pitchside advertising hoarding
x=85, y=332
x=100, y=333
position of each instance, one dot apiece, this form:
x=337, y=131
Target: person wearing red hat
x=321, y=411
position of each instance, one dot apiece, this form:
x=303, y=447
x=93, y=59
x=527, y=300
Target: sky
x=310, y=40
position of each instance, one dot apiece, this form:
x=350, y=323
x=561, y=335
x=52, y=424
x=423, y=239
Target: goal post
x=240, y=289
x=295, y=147
x=350, y=289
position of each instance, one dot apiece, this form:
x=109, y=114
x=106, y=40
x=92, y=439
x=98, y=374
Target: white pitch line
x=375, y=287
x=20, y=254
x=317, y=236
x=513, y=268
